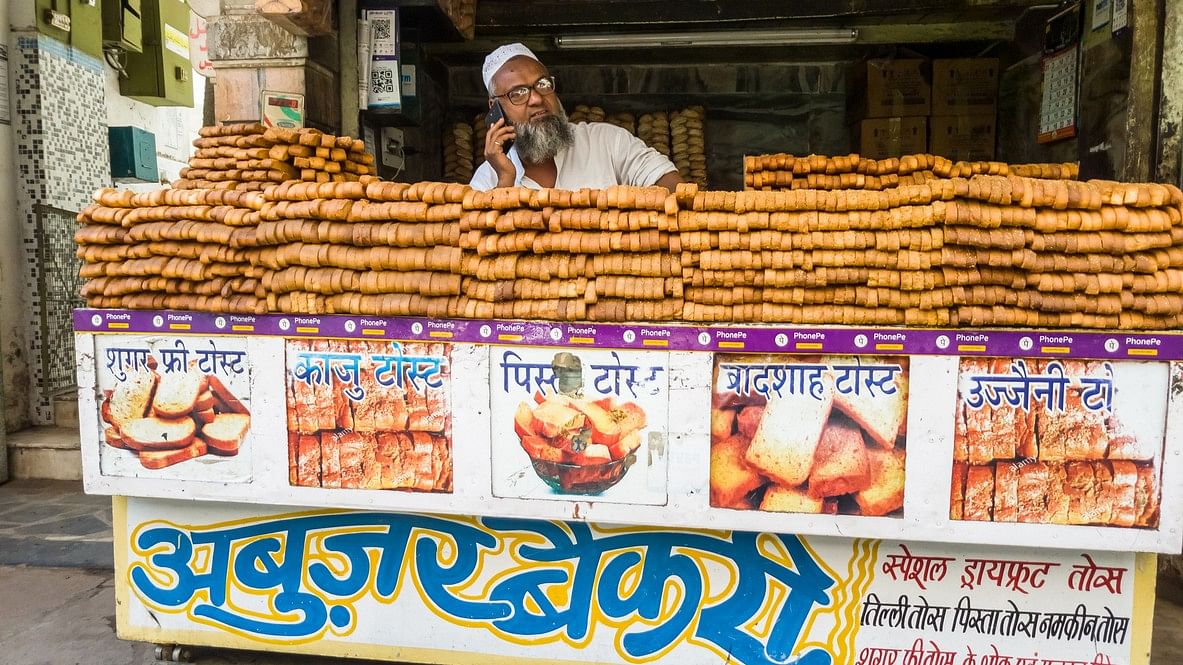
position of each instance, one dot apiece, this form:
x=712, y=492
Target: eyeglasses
x=521, y=94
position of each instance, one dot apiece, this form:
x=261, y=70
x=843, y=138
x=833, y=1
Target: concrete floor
x=55, y=559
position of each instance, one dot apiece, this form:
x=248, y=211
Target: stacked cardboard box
x=964, y=93
x=905, y=107
x=893, y=106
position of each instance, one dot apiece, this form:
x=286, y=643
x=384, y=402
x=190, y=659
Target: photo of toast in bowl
x=579, y=446
x=580, y=425
x=801, y=434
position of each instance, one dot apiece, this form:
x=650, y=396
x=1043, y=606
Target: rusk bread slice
x=788, y=435
x=115, y=439
x=881, y=415
x=979, y=493
x=177, y=394
x=840, y=462
x=731, y=477
x=226, y=401
x=886, y=491
x=154, y=433
x=205, y=401
x=790, y=500
x=226, y=433
x=132, y=398
x=159, y=459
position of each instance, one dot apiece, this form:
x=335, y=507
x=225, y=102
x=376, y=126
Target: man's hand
x=498, y=134
x=669, y=181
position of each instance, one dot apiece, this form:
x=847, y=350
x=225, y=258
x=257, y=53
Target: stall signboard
x=171, y=407
x=418, y=587
x=970, y=437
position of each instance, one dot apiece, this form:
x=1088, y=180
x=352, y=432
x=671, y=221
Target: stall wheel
x=173, y=653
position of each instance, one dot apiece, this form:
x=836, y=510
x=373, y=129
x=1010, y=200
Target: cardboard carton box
x=968, y=138
x=891, y=88
x=964, y=86
x=880, y=138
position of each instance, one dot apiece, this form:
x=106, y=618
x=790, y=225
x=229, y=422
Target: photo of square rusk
x=1059, y=441
x=371, y=415
x=809, y=434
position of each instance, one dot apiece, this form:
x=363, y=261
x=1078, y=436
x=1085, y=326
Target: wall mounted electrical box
x=133, y=154
x=161, y=75
x=123, y=26
x=73, y=22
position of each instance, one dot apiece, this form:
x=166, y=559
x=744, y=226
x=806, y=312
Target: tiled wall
x=60, y=134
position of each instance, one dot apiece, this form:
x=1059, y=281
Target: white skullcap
x=497, y=59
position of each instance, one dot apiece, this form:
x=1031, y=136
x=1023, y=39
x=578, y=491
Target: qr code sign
x=381, y=28
x=382, y=81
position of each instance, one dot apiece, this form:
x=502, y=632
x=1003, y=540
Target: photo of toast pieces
x=1058, y=441
x=167, y=401
x=369, y=415
x=580, y=424
x=801, y=434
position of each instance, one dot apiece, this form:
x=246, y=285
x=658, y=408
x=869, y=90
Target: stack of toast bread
x=833, y=453
x=458, y=152
x=987, y=250
x=688, y=144
x=781, y=172
x=1043, y=465
x=171, y=249
x=377, y=248
x=982, y=251
x=251, y=157
x=393, y=437
x=597, y=255
x=170, y=417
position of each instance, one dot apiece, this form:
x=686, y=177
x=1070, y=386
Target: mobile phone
x=497, y=113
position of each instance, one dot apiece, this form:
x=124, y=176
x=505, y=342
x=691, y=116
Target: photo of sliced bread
x=177, y=393
x=226, y=402
x=205, y=402
x=1006, y=492
x=881, y=415
x=113, y=437
x=159, y=459
x=154, y=433
x=225, y=434
x=203, y=417
x=131, y=399
x=788, y=435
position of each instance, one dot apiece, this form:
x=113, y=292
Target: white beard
x=542, y=140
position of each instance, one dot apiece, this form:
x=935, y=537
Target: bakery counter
x=992, y=437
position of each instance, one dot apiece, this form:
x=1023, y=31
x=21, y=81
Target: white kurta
x=602, y=155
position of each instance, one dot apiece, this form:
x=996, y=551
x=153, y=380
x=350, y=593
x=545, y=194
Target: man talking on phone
x=530, y=142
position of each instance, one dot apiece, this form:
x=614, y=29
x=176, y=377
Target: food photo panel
x=809, y=434
x=369, y=415
x=1060, y=441
x=174, y=407
x=580, y=425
